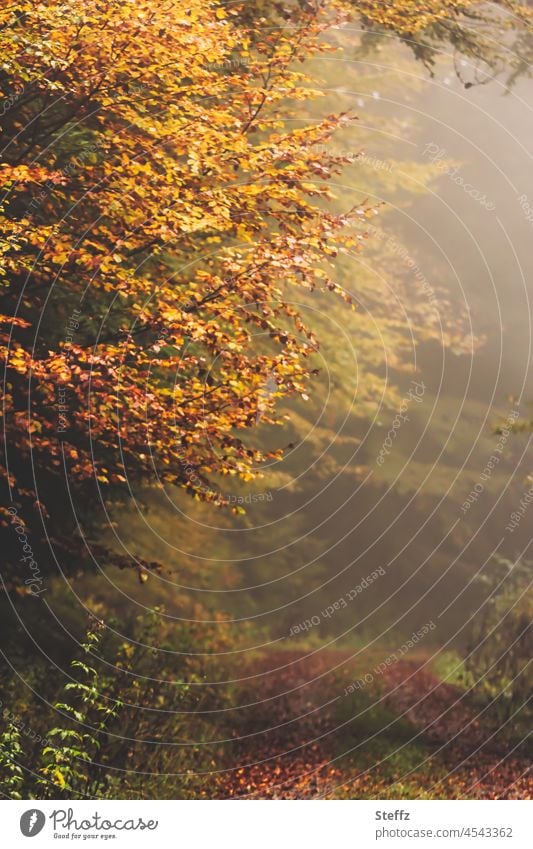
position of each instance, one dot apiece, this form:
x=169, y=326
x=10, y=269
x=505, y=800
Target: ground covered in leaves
x=298, y=734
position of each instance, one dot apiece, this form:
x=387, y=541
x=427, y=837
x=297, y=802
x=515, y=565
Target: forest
x=266, y=393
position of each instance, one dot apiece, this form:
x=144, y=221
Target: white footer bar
x=267, y=824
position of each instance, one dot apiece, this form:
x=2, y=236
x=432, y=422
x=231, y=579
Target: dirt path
x=286, y=745
x=467, y=742
x=282, y=757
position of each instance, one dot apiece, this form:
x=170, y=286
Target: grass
x=377, y=753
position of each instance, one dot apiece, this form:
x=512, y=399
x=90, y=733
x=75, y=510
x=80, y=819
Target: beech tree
x=494, y=37
x=158, y=214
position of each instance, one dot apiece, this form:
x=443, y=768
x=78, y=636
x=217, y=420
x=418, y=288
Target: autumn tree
x=493, y=38
x=158, y=216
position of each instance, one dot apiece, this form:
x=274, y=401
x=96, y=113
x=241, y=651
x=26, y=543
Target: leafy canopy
x=157, y=215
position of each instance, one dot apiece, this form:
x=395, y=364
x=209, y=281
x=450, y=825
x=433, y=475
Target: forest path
x=479, y=760
x=291, y=739
x=287, y=757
